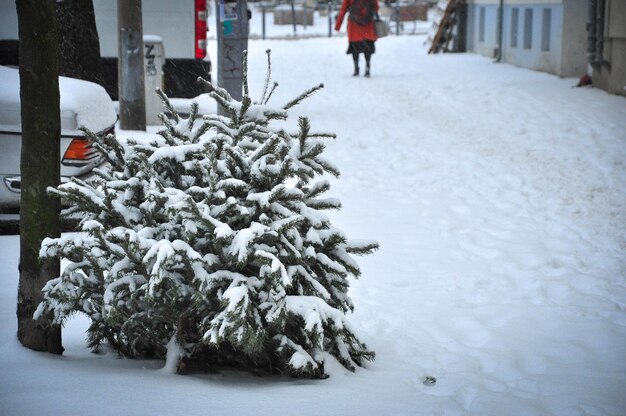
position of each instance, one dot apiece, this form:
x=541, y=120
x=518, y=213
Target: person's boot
x=367, y=71
x=355, y=59
x=356, y=71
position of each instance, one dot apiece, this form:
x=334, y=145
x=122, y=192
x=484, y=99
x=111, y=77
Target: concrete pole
x=130, y=66
x=232, y=40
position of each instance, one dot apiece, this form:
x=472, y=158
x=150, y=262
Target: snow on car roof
x=83, y=103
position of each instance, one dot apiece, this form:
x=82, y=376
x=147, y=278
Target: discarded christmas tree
x=209, y=245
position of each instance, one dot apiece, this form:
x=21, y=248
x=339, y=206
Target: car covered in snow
x=82, y=104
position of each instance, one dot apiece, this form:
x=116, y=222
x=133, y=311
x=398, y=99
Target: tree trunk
x=40, y=166
x=79, y=45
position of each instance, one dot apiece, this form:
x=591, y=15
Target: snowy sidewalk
x=498, y=196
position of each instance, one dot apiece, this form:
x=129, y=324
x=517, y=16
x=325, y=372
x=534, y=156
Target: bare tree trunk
x=40, y=166
x=79, y=45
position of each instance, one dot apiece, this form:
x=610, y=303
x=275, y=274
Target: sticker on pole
x=228, y=11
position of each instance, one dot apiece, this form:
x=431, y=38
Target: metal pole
x=500, y=30
x=263, y=20
x=131, y=86
x=460, y=44
x=293, y=17
x=330, y=19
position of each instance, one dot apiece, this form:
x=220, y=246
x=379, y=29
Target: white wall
x=574, y=49
x=565, y=55
x=534, y=57
x=489, y=44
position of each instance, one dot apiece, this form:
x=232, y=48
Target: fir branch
x=305, y=127
x=246, y=130
x=225, y=103
x=91, y=136
x=236, y=158
x=303, y=96
x=102, y=174
x=315, y=167
x=169, y=132
x=214, y=91
x=118, y=149
x=329, y=167
x=275, y=114
x=265, y=149
x=287, y=170
x=246, y=92
x=322, y=136
x=246, y=102
x=203, y=129
x=268, y=76
x=280, y=226
x=274, y=86
x=220, y=124
x=168, y=105
x=311, y=152
x=324, y=204
x=193, y=114
x=104, y=145
x=317, y=189
x=206, y=84
x=361, y=248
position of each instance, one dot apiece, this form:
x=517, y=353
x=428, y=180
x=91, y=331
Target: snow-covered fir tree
x=209, y=245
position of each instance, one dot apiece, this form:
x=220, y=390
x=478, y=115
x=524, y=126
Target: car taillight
x=79, y=149
x=79, y=152
x=201, y=27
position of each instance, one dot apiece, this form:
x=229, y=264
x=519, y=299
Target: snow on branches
x=208, y=244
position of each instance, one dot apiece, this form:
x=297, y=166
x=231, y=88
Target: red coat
x=357, y=33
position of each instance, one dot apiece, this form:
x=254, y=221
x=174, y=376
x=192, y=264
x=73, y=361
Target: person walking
x=361, y=32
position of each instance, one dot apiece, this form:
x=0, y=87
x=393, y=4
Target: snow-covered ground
x=498, y=196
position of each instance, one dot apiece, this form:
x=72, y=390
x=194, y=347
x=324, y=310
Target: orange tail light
x=79, y=149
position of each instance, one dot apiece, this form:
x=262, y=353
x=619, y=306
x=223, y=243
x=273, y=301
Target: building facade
x=607, y=49
x=553, y=36
x=544, y=35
